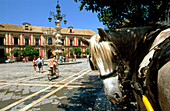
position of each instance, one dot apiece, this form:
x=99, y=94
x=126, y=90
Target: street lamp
x=58, y=17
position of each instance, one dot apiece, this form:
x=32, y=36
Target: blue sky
x=36, y=12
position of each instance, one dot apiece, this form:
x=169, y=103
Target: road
x=77, y=88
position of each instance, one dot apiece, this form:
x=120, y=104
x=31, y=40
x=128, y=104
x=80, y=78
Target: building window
x=15, y=40
x=71, y=31
x=62, y=41
x=36, y=41
x=71, y=42
x=26, y=27
x=49, y=41
x=1, y=40
x=79, y=42
x=26, y=41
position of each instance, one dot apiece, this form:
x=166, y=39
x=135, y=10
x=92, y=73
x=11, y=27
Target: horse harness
x=150, y=72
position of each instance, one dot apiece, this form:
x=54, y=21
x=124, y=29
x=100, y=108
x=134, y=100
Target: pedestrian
x=52, y=63
x=23, y=60
x=60, y=59
x=40, y=63
x=87, y=58
x=75, y=57
x=64, y=58
x=34, y=63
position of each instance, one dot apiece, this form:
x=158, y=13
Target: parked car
x=9, y=61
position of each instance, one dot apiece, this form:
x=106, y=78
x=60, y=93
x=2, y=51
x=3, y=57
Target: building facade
x=40, y=38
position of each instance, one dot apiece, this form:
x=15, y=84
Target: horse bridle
x=114, y=73
x=91, y=64
x=111, y=74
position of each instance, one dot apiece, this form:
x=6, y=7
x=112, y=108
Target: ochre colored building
x=40, y=38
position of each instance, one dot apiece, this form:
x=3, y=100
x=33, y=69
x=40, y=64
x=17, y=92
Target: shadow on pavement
x=90, y=98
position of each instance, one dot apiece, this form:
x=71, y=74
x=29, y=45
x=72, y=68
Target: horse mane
x=126, y=40
x=104, y=50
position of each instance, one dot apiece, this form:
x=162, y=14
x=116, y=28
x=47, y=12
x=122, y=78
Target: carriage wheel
x=49, y=77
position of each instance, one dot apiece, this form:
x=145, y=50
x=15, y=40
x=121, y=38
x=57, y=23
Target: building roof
x=39, y=29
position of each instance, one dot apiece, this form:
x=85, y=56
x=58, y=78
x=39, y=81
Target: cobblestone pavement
x=76, y=89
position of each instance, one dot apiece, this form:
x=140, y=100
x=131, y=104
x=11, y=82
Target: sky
x=36, y=12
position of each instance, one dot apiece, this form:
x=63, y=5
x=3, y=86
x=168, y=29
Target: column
x=11, y=39
x=23, y=39
x=30, y=40
x=40, y=40
x=73, y=42
x=82, y=51
x=19, y=39
x=68, y=42
x=8, y=39
x=11, y=54
x=65, y=41
x=41, y=52
x=76, y=41
x=5, y=43
x=33, y=40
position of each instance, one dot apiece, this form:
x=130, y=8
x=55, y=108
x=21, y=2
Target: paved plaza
x=77, y=88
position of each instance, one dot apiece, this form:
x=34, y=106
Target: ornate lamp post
x=58, y=17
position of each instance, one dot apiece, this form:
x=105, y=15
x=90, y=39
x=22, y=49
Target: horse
x=134, y=48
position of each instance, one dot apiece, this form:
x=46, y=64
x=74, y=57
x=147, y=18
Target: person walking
x=87, y=58
x=75, y=57
x=34, y=63
x=40, y=62
x=64, y=58
x=60, y=59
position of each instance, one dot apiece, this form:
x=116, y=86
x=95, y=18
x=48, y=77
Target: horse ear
x=102, y=33
x=85, y=41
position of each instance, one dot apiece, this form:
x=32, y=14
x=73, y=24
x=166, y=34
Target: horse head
x=104, y=57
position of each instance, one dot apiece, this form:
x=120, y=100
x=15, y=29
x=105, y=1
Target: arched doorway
x=2, y=55
x=49, y=53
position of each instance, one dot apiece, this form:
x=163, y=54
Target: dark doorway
x=15, y=40
x=37, y=55
x=1, y=40
x=2, y=55
x=49, y=53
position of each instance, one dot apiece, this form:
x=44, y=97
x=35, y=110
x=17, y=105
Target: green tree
x=34, y=52
x=66, y=52
x=29, y=51
x=76, y=50
x=16, y=51
x=86, y=52
x=122, y=13
x=25, y=52
x=7, y=54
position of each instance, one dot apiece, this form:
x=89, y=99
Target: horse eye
x=117, y=96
